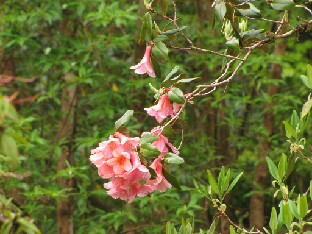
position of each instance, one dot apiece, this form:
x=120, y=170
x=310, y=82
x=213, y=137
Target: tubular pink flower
x=160, y=183
x=162, y=109
x=145, y=65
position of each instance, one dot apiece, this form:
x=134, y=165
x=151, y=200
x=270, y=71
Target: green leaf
x=273, y=221
x=234, y=182
x=272, y=168
x=306, y=81
x=171, y=179
x=309, y=71
x=225, y=182
x=232, y=230
x=160, y=51
x=233, y=43
x=149, y=26
x=311, y=189
x=290, y=131
x=176, y=95
x=142, y=32
x=9, y=149
x=173, y=158
x=302, y=202
x=173, y=31
x=220, y=9
x=291, y=165
x=148, y=138
x=282, y=166
x=148, y=150
x=213, y=227
x=188, y=80
x=163, y=6
x=293, y=208
x=282, y=4
x=213, y=183
x=173, y=71
x=125, y=118
x=287, y=215
x=252, y=12
x=306, y=107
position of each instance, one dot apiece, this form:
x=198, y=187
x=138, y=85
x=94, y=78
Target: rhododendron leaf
x=213, y=226
x=171, y=179
x=188, y=80
x=125, y=118
x=251, y=12
x=173, y=158
x=293, y=208
x=282, y=4
x=9, y=149
x=148, y=138
x=311, y=189
x=146, y=28
x=272, y=168
x=163, y=6
x=282, y=166
x=273, y=221
x=306, y=107
x=302, y=204
x=153, y=173
x=176, y=95
x=290, y=132
x=148, y=150
x=173, y=31
x=160, y=51
x=173, y=71
x=220, y=9
x=213, y=183
x=234, y=182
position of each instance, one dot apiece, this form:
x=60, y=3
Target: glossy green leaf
x=213, y=226
x=290, y=131
x=148, y=150
x=188, y=80
x=124, y=119
x=293, y=209
x=176, y=95
x=171, y=179
x=273, y=221
x=282, y=4
x=220, y=9
x=148, y=138
x=173, y=31
x=213, y=183
x=173, y=158
x=302, y=203
x=160, y=51
x=311, y=189
x=163, y=6
x=282, y=166
x=252, y=12
x=287, y=215
x=306, y=107
x=272, y=168
x=173, y=71
x=234, y=182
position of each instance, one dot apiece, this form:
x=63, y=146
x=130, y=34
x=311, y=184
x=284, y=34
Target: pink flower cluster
x=117, y=159
x=163, y=108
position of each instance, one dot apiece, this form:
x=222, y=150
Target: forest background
x=64, y=65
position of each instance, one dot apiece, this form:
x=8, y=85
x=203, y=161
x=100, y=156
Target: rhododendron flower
x=131, y=184
x=145, y=65
x=162, y=142
x=114, y=156
x=162, y=109
x=160, y=183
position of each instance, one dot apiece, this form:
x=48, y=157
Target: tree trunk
x=65, y=207
x=257, y=215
